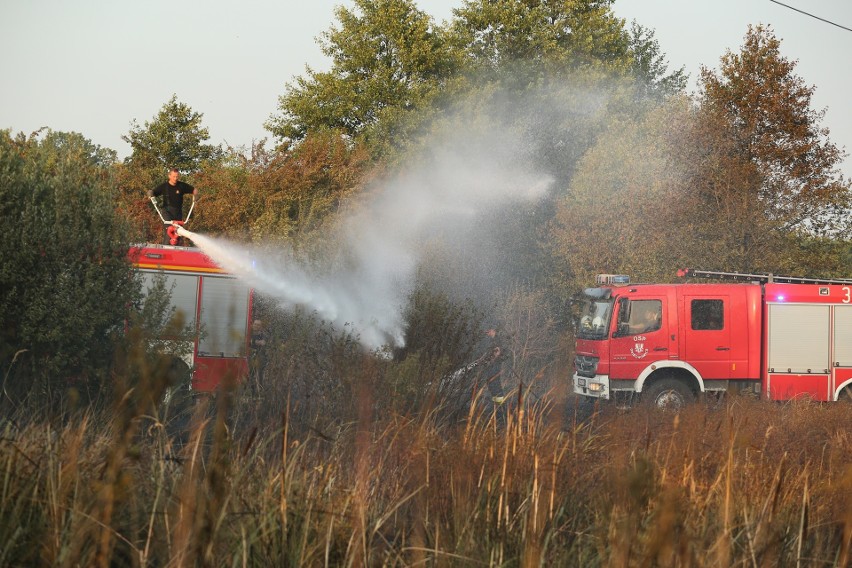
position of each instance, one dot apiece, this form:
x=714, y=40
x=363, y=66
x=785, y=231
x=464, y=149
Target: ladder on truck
x=761, y=278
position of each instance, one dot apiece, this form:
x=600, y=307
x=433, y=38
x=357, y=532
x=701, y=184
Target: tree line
x=646, y=178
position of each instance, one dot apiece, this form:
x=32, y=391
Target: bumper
x=596, y=387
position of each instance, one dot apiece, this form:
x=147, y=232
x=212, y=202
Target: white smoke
x=367, y=284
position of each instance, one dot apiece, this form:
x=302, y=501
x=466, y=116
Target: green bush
x=65, y=281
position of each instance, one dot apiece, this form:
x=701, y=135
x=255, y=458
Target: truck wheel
x=176, y=403
x=845, y=395
x=668, y=394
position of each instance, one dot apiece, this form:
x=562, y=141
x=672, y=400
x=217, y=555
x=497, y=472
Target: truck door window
x=182, y=290
x=708, y=314
x=224, y=304
x=641, y=316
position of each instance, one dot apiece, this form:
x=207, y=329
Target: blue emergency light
x=612, y=279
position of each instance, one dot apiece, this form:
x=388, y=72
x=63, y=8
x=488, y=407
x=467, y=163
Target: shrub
x=65, y=281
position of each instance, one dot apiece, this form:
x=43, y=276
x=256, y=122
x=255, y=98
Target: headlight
x=596, y=387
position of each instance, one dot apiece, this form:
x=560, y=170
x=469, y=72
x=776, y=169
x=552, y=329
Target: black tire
x=668, y=394
x=845, y=396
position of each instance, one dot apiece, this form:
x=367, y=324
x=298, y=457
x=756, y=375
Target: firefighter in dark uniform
x=172, y=192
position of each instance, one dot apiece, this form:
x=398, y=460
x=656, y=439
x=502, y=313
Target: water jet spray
x=445, y=213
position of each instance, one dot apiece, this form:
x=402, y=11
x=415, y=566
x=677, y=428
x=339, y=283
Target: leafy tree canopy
x=773, y=161
x=285, y=193
x=540, y=35
x=792, y=176
x=740, y=179
x=65, y=281
x=385, y=54
x=649, y=66
x=393, y=70
x=174, y=138
x=621, y=211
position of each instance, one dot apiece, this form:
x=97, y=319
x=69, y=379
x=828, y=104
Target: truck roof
x=167, y=257
x=772, y=291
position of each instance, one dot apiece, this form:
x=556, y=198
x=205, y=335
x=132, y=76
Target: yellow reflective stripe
x=178, y=268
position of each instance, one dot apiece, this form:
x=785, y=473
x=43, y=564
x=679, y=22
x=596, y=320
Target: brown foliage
x=758, y=115
x=281, y=194
x=748, y=483
x=132, y=203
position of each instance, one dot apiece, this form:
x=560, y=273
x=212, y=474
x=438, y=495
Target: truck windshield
x=594, y=317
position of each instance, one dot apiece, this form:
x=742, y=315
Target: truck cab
x=666, y=341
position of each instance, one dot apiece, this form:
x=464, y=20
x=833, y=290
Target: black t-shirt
x=173, y=197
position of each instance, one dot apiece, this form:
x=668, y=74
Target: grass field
x=747, y=483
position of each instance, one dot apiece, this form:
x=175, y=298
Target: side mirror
x=622, y=328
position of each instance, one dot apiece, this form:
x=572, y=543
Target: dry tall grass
x=747, y=484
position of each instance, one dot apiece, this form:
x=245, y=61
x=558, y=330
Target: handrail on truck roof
x=761, y=278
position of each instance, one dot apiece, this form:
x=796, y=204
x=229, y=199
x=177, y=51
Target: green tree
x=76, y=144
x=547, y=74
x=387, y=60
x=625, y=210
x=174, y=138
x=758, y=114
x=540, y=37
x=650, y=68
x=524, y=42
x=535, y=48
x=65, y=280
x=818, y=257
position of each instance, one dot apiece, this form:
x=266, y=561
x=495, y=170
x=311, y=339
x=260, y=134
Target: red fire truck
x=779, y=337
x=215, y=304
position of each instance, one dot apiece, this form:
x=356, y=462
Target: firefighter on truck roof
x=172, y=192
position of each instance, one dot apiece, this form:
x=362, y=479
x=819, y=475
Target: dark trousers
x=493, y=376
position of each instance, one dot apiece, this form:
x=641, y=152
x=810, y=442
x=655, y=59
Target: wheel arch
x=841, y=388
x=670, y=369
x=183, y=364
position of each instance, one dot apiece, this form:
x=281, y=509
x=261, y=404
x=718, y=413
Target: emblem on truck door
x=638, y=350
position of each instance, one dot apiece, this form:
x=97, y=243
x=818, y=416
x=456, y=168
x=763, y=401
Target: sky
x=95, y=66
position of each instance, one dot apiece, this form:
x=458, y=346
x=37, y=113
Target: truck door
x=842, y=360
x=640, y=336
x=798, y=351
x=707, y=335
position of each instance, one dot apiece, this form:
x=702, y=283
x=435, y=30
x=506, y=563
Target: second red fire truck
x=779, y=337
x=215, y=305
